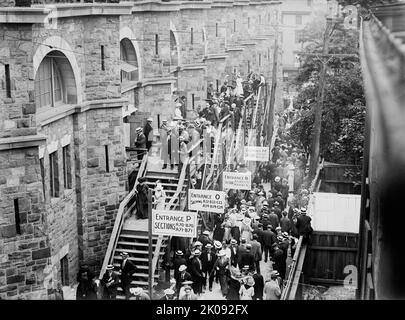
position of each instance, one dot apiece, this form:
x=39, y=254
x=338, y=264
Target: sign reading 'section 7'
x=237, y=180
x=206, y=200
x=257, y=153
x=174, y=223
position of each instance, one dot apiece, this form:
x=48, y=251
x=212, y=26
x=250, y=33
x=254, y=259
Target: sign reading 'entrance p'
x=206, y=200
x=237, y=180
x=257, y=153
x=174, y=223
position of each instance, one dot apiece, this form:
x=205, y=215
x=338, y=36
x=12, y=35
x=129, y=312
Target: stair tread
x=134, y=251
x=133, y=258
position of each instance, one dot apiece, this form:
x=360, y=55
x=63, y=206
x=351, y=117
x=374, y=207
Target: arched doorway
x=55, y=82
x=129, y=61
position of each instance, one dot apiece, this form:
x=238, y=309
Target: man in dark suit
x=273, y=218
x=140, y=143
x=177, y=262
x=256, y=252
x=268, y=239
x=169, y=294
x=234, y=253
x=204, y=238
x=148, y=132
x=247, y=258
x=259, y=286
x=304, y=225
x=196, y=272
x=208, y=258
x=127, y=270
x=182, y=276
x=110, y=283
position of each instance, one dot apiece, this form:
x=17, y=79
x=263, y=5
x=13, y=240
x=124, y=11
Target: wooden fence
x=328, y=255
x=336, y=178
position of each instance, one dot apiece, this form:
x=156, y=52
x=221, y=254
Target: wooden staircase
x=136, y=244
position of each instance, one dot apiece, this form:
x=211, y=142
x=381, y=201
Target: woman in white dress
x=239, y=87
x=247, y=290
x=159, y=196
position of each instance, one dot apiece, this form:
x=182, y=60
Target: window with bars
x=8, y=80
x=67, y=168
x=54, y=174
x=48, y=84
x=298, y=36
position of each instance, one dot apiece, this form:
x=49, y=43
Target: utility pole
x=150, y=246
x=270, y=114
x=316, y=129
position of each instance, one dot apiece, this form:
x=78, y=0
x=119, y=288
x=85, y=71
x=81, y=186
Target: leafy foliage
x=343, y=113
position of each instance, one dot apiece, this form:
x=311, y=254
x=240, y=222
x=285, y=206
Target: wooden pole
x=150, y=280
x=316, y=130
x=272, y=98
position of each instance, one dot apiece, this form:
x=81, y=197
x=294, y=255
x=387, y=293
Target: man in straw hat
x=186, y=291
x=183, y=276
x=148, y=132
x=140, y=142
x=127, y=270
x=196, y=272
x=177, y=262
x=169, y=294
x=110, y=283
x=138, y=294
x=272, y=289
x=208, y=258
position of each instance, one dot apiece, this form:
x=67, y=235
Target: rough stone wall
x=24, y=256
x=17, y=112
x=101, y=191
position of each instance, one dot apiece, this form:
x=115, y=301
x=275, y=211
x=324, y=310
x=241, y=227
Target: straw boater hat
x=182, y=267
x=209, y=246
x=277, y=179
x=136, y=291
x=169, y=292
x=149, y=119
x=233, y=241
x=179, y=252
x=303, y=210
x=197, y=252
x=274, y=274
x=217, y=244
x=239, y=216
x=221, y=253
x=247, y=221
x=206, y=232
x=139, y=129
x=124, y=254
x=110, y=267
x=197, y=243
x=285, y=234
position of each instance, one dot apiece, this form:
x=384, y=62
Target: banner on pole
x=174, y=223
x=206, y=200
x=237, y=180
x=257, y=153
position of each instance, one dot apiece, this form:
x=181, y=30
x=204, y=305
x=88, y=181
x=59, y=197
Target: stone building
x=70, y=74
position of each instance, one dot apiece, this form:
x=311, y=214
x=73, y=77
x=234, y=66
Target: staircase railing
x=294, y=275
x=122, y=213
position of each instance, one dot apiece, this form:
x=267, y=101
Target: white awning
x=125, y=66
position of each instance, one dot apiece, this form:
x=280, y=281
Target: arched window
x=174, y=58
x=129, y=62
x=54, y=81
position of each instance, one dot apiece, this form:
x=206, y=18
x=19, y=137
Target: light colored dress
x=160, y=199
x=246, y=294
x=239, y=87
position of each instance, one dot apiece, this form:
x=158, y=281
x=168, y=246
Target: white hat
x=169, y=291
x=197, y=243
x=221, y=253
x=217, y=244
x=178, y=104
x=277, y=179
x=303, y=210
x=136, y=291
x=182, y=267
x=197, y=252
x=206, y=232
x=149, y=119
x=138, y=129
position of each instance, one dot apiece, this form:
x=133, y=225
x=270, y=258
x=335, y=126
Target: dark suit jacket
x=195, y=269
x=259, y=286
x=269, y=238
x=127, y=271
x=273, y=218
x=285, y=224
x=303, y=224
x=256, y=250
x=234, y=256
x=179, y=280
x=247, y=259
x=112, y=289
x=208, y=265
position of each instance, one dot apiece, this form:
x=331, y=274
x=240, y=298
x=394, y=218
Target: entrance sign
x=174, y=223
x=257, y=153
x=237, y=180
x=206, y=200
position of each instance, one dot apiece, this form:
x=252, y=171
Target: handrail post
x=150, y=280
